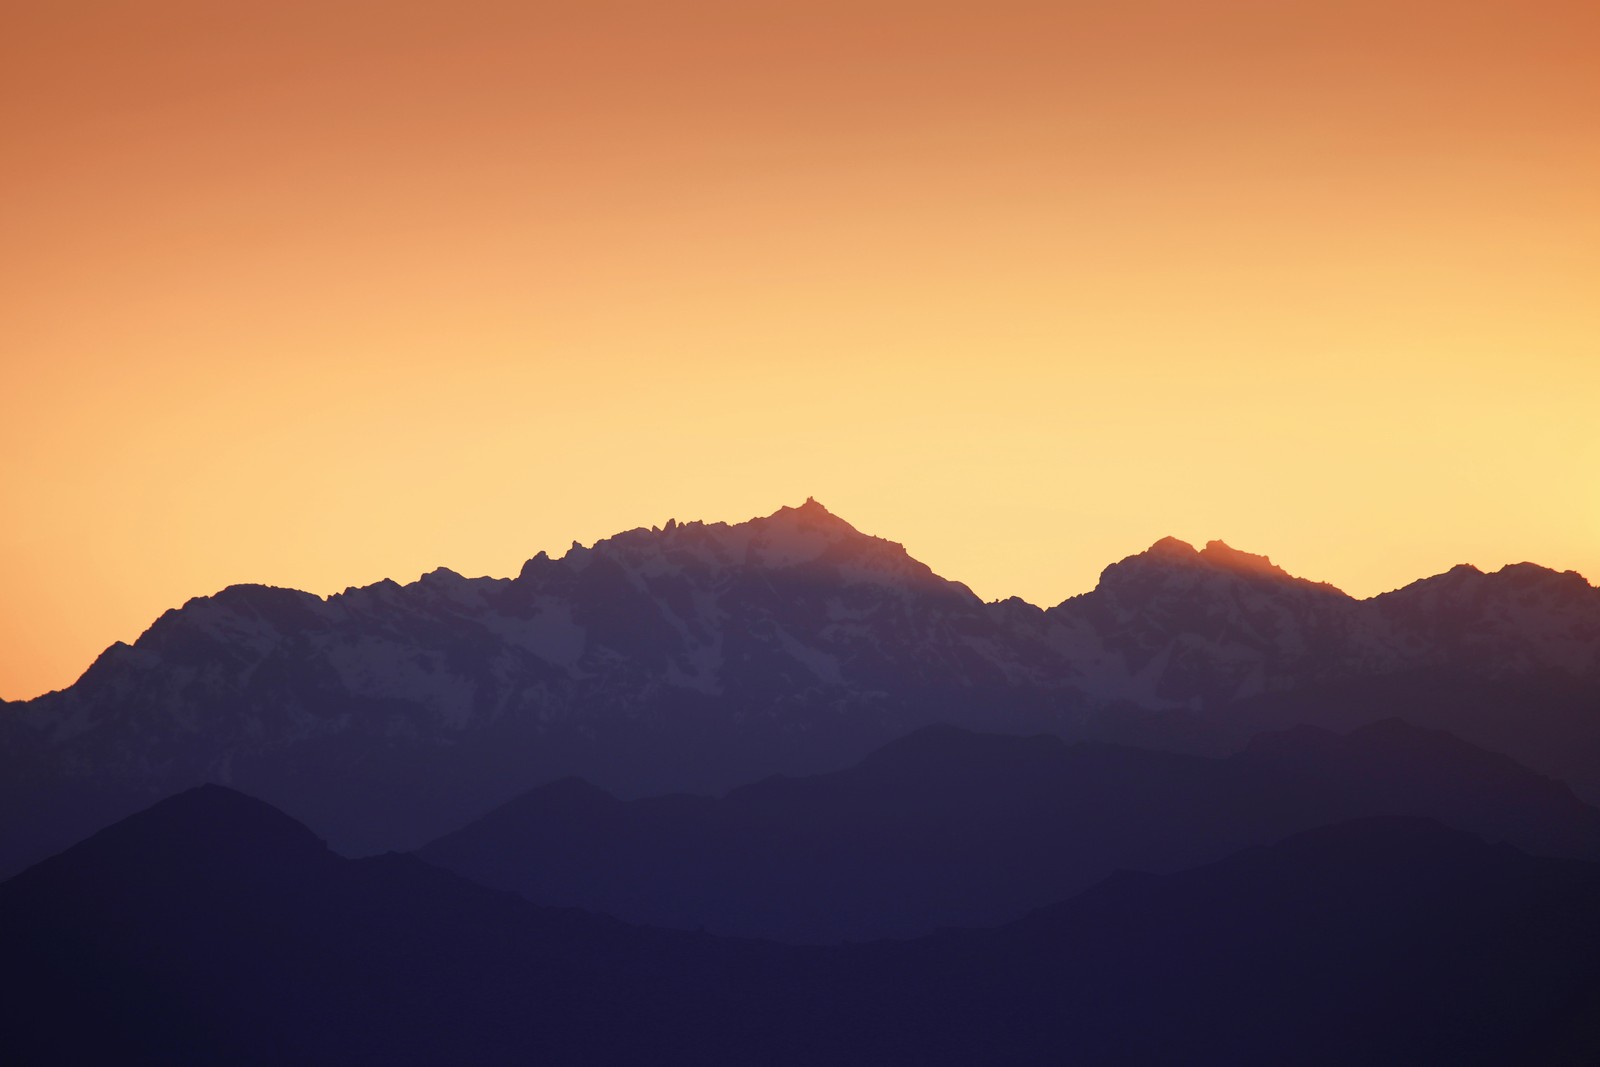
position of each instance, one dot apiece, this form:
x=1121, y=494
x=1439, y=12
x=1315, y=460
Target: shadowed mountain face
x=951, y=828
x=212, y=929
x=698, y=656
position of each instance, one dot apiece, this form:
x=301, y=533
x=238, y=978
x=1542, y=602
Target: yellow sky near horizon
x=323, y=293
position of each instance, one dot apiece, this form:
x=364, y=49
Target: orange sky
x=328, y=292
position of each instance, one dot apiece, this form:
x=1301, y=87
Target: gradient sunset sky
x=317, y=293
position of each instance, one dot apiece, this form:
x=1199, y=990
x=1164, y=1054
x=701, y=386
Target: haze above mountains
x=703, y=656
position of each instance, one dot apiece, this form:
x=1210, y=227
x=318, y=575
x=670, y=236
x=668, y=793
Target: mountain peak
x=805, y=535
x=810, y=513
x=198, y=825
x=1464, y=579
x=216, y=817
x=1532, y=575
x=1171, y=548
x=1216, y=556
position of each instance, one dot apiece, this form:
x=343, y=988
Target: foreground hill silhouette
x=950, y=828
x=213, y=929
x=698, y=656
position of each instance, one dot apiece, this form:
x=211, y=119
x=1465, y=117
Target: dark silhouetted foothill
x=210, y=930
x=950, y=828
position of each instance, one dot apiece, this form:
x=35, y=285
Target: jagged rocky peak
x=1171, y=556
x=791, y=536
x=810, y=514
x=811, y=533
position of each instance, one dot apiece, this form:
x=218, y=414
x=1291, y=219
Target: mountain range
x=700, y=656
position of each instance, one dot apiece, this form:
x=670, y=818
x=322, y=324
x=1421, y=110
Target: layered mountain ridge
x=949, y=828
x=700, y=655
x=212, y=929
